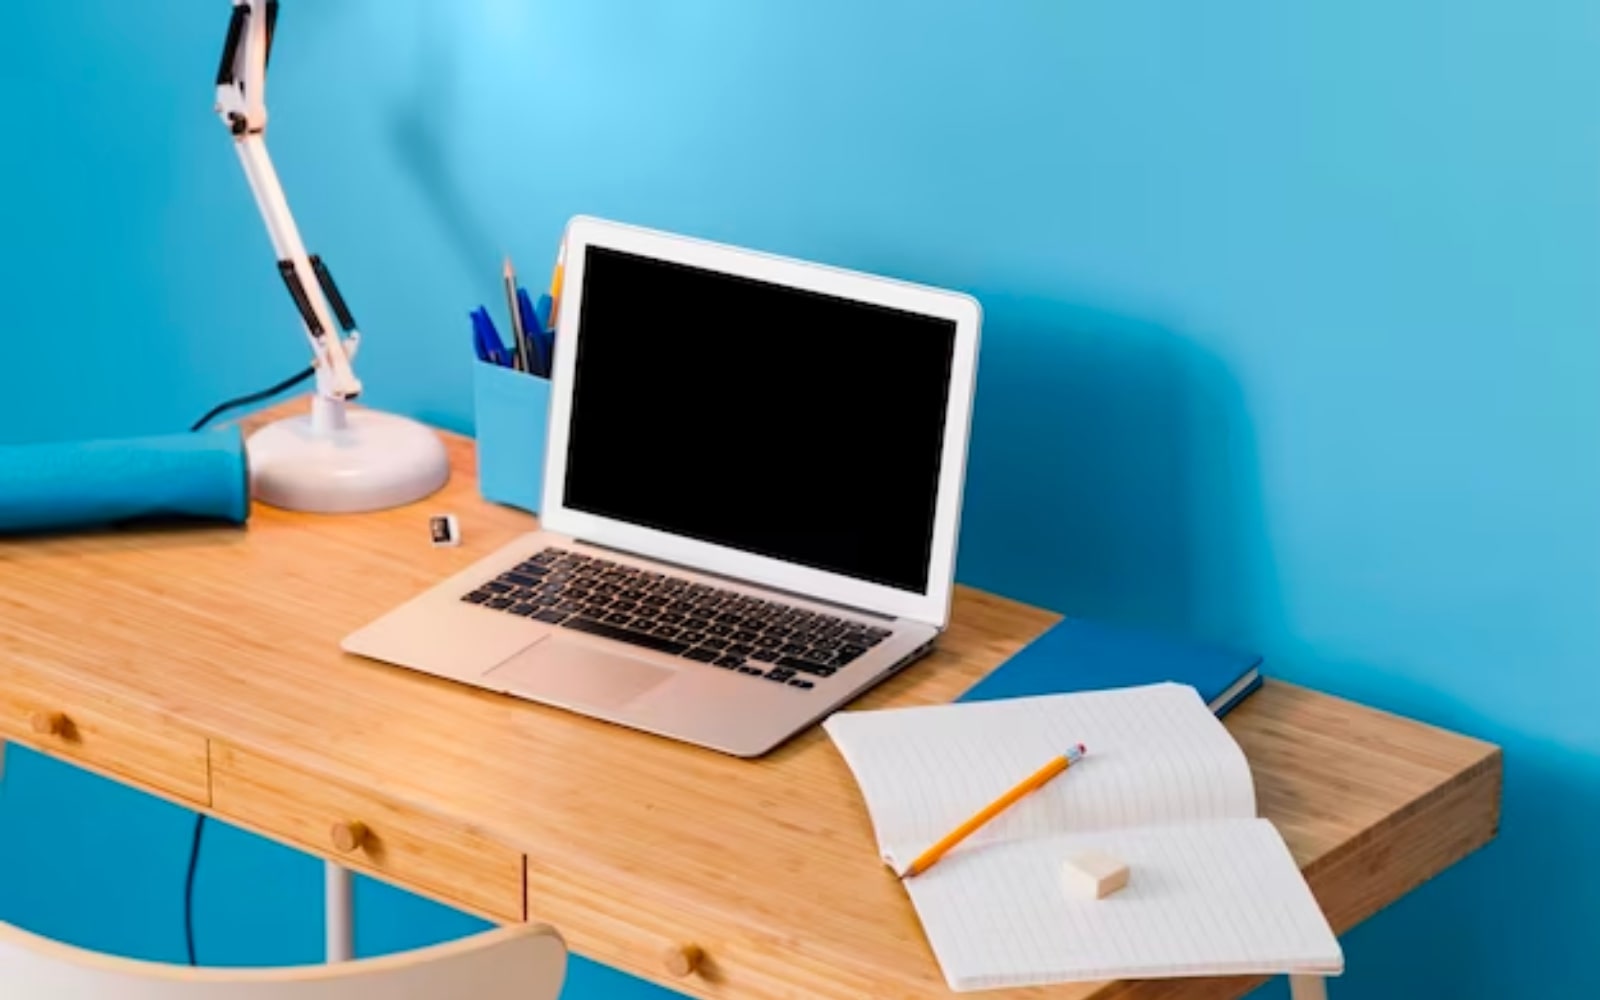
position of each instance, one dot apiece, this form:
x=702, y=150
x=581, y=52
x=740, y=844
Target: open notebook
x=1213, y=889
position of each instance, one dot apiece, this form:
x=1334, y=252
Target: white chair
x=526, y=962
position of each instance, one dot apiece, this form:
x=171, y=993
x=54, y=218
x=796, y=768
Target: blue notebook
x=1078, y=655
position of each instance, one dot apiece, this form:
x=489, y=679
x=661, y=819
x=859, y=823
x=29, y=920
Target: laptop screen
x=769, y=419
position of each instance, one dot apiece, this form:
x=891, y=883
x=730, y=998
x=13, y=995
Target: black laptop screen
x=769, y=419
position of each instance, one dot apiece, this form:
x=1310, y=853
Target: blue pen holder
x=512, y=411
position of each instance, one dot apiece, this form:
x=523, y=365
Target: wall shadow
x=419, y=129
x=1437, y=943
x=1113, y=471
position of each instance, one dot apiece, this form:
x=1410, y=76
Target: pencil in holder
x=512, y=413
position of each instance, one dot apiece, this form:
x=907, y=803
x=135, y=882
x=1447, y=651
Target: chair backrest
x=526, y=962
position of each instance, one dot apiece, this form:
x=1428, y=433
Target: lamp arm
x=241, y=104
x=338, y=459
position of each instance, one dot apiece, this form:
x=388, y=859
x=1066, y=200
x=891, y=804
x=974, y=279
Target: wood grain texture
x=368, y=833
x=635, y=844
x=96, y=729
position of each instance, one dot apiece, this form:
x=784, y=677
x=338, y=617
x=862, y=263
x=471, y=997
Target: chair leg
x=1308, y=988
x=339, y=913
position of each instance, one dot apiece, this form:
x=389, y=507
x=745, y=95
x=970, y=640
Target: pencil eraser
x=1092, y=874
x=445, y=529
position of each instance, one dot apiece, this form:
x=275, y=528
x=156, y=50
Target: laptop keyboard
x=696, y=621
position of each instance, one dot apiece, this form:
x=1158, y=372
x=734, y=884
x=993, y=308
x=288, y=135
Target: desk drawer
x=368, y=833
x=721, y=956
x=115, y=738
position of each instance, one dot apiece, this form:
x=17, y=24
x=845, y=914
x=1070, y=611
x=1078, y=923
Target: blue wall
x=1293, y=330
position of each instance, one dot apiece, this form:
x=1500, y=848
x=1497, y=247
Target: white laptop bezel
x=931, y=605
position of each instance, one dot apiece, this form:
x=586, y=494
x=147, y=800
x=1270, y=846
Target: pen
x=493, y=348
x=518, y=333
x=480, y=339
x=1031, y=783
x=546, y=332
x=479, y=348
x=539, y=360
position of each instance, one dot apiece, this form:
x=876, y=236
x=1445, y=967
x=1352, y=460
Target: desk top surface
x=236, y=633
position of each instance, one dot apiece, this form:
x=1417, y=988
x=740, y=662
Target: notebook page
x=1214, y=898
x=1156, y=755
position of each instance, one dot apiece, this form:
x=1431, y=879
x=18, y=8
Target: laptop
x=752, y=487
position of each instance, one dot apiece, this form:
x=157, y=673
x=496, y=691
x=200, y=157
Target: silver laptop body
x=752, y=491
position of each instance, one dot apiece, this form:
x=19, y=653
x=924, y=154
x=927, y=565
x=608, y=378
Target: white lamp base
x=338, y=462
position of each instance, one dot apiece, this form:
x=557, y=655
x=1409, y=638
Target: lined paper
x=1156, y=755
x=1212, y=889
x=1210, y=898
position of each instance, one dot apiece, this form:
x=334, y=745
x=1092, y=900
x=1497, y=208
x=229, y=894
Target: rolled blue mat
x=87, y=483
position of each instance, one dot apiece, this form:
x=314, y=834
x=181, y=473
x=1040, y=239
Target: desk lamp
x=336, y=459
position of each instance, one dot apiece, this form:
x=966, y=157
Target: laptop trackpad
x=575, y=673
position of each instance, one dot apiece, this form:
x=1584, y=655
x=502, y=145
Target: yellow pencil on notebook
x=1031, y=783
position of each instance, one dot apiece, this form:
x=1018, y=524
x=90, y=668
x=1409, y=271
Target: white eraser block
x=1093, y=874
x=445, y=530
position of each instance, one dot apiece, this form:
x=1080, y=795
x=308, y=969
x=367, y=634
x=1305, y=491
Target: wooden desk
x=203, y=666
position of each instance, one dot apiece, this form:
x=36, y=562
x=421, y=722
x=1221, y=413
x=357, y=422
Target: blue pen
x=547, y=345
x=536, y=335
x=547, y=330
x=479, y=347
x=547, y=327
x=493, y=345
x=503, y=353
x=480, y=339
x=498, y=349
x=546, y=335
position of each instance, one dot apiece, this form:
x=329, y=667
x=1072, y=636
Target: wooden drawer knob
x=683, y=959
x=350, y=837
x=49, y=723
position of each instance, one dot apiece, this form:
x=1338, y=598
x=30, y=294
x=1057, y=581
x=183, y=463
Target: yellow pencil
x=555, y=281
x=1031, y=783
